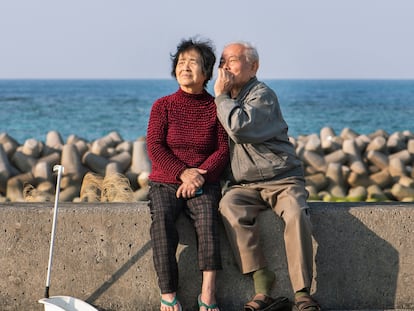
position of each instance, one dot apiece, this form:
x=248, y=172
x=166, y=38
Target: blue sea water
x=93, y=108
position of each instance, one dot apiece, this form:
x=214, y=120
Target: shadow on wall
x=354, y=266
x=117, y=275
x=233, y=288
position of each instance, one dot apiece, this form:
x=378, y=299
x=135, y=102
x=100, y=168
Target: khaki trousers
x=241, y=205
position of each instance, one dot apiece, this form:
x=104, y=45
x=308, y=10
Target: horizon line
x=170, y=78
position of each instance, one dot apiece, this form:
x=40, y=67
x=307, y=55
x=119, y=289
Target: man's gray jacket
x=260, y=149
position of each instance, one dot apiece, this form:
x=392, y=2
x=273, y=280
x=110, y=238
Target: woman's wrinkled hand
x=192, y=179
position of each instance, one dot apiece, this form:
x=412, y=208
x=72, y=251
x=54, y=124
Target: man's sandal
x=202, y=304
x=262, y=302
x=172, y=303
x=306, y=303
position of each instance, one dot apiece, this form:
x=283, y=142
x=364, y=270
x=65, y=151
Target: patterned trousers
x=165, y=208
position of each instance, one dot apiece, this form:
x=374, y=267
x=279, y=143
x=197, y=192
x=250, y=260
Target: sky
x=133, y=39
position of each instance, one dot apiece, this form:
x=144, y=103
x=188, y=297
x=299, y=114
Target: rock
x=396, y=142
x=337, y=156
x=336, y=186
x=54, y=140
x=402, y=192
x=357, y=180
x=23, y=162
x=403, y=155
x=8, y=144
x=410, y=146
x=315, y=160
x=42, y=172
x=69, y=194
x=354, y=156
x=379, y=132
x=123, y=160
x=32, y=148
x=15, y=186
x=348, y=133
x=362, y=141
x=318, y=181
x=95, y=162
x=378, y=143
x=113, y=168
x=6, y=170
x=375, y=194
x=383, y=178
x=140, y=160
x=337, y=168
x=397, y=167
x=313, y=143
x=71, y=161
x=357, y=194
x=328, y=143
x=406, y=181
x=378, y=158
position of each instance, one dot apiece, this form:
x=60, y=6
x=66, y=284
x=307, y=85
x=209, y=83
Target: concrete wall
x=364, y=257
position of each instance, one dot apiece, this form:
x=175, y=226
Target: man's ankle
x=263, y=281
x=302, y=292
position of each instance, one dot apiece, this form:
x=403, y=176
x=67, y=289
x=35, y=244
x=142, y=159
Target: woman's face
x=189, y=72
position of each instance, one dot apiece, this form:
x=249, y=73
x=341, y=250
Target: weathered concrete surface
x=364, y=257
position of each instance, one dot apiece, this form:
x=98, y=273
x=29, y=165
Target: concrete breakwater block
x=355, y=160
x=32, y=163
x=345, y=161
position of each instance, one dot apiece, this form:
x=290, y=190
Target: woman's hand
x=192, y=180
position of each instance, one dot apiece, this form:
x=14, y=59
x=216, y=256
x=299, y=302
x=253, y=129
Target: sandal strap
x=261, y=302
x=305, y=302
x=258, y=302
x=202, y=304
x=168, y=303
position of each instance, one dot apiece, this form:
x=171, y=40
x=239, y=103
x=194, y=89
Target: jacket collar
x=246, y=88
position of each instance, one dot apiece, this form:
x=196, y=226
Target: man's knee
x=296, y=213
x=225, y=203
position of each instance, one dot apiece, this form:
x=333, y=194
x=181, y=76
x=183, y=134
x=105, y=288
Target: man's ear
x=255, y=67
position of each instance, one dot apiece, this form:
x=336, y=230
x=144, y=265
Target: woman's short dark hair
x=206, y=50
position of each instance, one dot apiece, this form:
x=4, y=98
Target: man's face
x=234, y=61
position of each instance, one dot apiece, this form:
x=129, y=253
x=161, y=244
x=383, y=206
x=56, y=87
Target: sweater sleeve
x=158, y=150
x=218, y=160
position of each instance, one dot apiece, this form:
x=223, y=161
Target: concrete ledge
x=364, y=257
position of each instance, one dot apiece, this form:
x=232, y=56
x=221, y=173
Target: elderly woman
x=188, y=149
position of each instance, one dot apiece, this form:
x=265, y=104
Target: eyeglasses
x=230, y=61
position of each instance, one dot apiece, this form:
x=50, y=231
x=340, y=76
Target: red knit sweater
x=184, y=132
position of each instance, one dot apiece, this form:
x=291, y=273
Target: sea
x=91, y=109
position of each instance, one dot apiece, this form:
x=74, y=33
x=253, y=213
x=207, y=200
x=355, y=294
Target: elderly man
x=265, y=173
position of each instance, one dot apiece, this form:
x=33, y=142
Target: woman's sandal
x=306, y=303
x=262, y=302
x=172, y=303
x=202, y=304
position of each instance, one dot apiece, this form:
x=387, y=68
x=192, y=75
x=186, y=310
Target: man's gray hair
x=250, y=51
